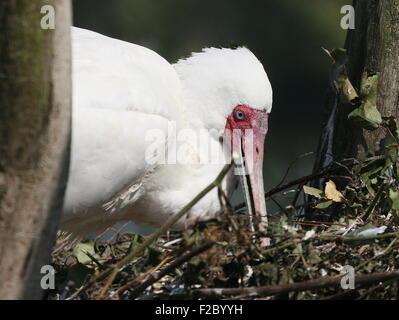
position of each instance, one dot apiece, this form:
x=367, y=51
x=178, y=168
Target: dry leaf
x=332, y=193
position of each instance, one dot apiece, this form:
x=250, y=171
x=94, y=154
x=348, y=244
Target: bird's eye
x=240, y=115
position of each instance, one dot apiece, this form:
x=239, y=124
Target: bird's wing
x=122, y=93
x=114, y=74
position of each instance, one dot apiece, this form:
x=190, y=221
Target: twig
x=297, y=193
x=228, y=209
x=348, y=294
x=378, y=286
x=93, y=258
x=291, y=164
x=282, y=245
x=169, y=223
x=143, y=277
x=317, y=223
x=217, y=293
x=293, y=183
x=310, y=177
x=172, y=266
x=280, y=206
x=294, y=240
x=387, y=249
x=377, y=197
x=350, y=239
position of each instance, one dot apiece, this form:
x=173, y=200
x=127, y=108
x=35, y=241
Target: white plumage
x=121, y=93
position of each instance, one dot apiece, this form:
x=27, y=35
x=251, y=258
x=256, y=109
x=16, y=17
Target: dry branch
x=175, y=264
x=113, y=270
x=360, y=280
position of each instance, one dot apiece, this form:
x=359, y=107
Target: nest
x=335, y=245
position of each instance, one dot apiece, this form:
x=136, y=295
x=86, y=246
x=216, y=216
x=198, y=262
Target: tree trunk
x=372, y=49
x=35, y=116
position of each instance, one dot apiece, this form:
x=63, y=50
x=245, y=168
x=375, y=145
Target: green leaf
x=367, y=115
x=298, y=249
x=313, y=192
x=314, y=255
x=357, y=231
x=324, y=205
x=367, y=172
x=368, y=87
x=85, y=246
x=394, y=195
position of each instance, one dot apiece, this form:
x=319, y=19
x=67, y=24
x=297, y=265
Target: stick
x=365, y=279
x=293, y=183
x=310, y=177
x=175, y=264
x=377, y=197
x=142, y=277
x=170, y=222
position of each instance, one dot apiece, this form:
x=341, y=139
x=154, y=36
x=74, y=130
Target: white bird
x=128, y=104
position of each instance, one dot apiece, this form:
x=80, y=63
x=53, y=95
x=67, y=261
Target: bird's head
x=228, y=90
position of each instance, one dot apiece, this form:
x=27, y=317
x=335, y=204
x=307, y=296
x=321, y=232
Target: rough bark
x=35, y=115
x=372, y=47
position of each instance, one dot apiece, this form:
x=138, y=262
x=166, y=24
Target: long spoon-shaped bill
x=248, y=150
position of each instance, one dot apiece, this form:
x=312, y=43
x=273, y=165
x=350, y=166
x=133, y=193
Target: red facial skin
x=234, y=123
x=252, y=129
x=254, y=119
